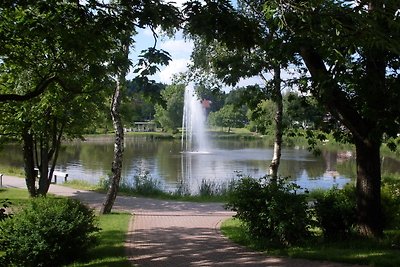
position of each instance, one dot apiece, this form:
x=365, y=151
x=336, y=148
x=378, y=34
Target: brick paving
x=169, y=233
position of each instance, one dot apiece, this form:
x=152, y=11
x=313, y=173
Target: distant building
x=145, y=126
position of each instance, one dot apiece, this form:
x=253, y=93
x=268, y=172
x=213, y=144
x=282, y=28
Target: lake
x=163, y=160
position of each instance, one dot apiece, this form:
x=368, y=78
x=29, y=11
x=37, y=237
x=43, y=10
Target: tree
x=261, y=117
x=45, y=41
x=169, y=114
x=350, y=51
x=302, y=111
x=139, y=103
x=47, y=71
x=228, y=116
x=128, y=17
x=120, y=84
x=41, y=124
x=351, y=66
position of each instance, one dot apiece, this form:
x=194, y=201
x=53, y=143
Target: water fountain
x=194, y=137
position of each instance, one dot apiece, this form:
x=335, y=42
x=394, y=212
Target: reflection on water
x=163, y=160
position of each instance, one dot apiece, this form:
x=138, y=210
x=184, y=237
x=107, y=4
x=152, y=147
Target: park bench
x=56, y=174
x=59, y=174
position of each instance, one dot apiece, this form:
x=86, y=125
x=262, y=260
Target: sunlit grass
x=366, y=252
x=83, y=185
x=13, y=171
x=110, y=251
x=17, y=197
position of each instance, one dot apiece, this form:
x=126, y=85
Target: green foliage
x=169, y=115
x=208, y=188
x=271, y=210
x=335, y=211
x=48, y=232
x=365, y=252
x=144, y=184
x=390, y=194
x=302, y=111
x=212, y=189
x=5, y=204
x=228, y=116
x=110, y=250
x=261, y=117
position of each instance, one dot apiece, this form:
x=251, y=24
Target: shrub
x=271, y=210
x=4, y=205
x=48, y=232
x=390, y=194
x=335, y=211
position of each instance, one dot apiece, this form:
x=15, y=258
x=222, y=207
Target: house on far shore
x=145, y=126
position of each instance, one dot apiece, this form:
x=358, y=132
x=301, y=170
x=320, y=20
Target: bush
x=390, y=194
x=48, y=232
x=4, y=205
x=335, y=211
x=271, y=210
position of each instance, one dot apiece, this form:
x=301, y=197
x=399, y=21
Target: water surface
x=163, y=160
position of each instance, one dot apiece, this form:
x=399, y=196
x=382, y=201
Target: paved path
x=170, y=233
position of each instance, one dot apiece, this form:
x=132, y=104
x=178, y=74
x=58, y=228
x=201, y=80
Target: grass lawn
x=365, y=252
x=17, y=197
x=110, y=250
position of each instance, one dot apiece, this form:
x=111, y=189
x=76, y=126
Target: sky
x=179, y=49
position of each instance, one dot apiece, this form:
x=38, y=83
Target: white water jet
x=194, y=137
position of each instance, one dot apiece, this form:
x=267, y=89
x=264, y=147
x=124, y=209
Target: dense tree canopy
x=46, y=42
x=59, y=59
x=228, y=116
x=351, y=53
x=169, y=113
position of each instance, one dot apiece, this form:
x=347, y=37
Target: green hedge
x=48, y=232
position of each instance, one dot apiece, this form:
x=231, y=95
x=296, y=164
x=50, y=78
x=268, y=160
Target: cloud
x=175, y=66
x=178, y=48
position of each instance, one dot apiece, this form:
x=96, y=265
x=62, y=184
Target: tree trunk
x=53, y=154
x=369, y=188
x=366, y=134
x=276, y=158
x=29, y=162
x=44, y=182
x=118, y=149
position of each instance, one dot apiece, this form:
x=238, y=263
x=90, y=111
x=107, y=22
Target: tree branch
x=40, y=88
x=328, y=93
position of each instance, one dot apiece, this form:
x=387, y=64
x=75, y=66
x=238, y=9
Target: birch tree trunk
x=116, y=168
x=276, y=158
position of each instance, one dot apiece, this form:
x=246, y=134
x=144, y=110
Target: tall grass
x=146, y=186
